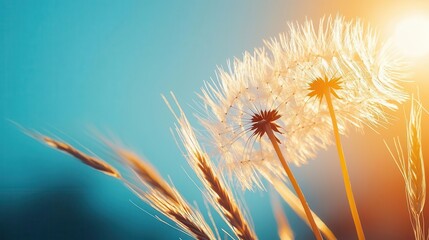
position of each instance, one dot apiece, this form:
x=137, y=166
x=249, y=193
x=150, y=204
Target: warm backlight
x=412, y=36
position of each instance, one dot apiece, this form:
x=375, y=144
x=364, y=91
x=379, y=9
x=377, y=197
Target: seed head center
x=324, y=85
x=263, y=119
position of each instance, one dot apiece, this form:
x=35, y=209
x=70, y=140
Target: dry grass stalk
x=165, y=198
x=84, y=158
x=284, y=229
x=160, y=195
x=412, y=170
x=292, y=200
x=224, y=199
x=218, y=193
x=146, y=173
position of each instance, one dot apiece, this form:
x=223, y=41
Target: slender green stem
x=346, y=177
x=292, y=179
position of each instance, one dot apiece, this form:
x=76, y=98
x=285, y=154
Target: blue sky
x=68, y=67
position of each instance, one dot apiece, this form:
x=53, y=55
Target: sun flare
x=412, y=36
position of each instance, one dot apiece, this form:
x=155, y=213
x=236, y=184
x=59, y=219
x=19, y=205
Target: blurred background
x=67, y=67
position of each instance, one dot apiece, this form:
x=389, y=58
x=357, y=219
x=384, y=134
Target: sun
x=412, y=36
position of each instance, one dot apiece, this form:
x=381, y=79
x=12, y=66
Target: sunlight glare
x=412, y=36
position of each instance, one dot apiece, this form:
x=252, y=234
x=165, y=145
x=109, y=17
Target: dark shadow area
x=59, y=213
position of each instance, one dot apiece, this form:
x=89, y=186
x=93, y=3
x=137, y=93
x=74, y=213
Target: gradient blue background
x=67, y=67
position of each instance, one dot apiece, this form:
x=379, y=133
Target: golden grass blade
x=218, y=193
x=293, y=201
x=284, y=229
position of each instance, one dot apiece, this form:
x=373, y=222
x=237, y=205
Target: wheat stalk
x=160, y=195
x=412, y=170
x=218, y=193
x=146, y=173
x=84, y=158
x=223, y=198
x=165, y=198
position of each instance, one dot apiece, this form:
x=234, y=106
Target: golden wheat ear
x=86, y=159
x=411, y=166
x=217, y=192
x=164, y=197
x=160, y=195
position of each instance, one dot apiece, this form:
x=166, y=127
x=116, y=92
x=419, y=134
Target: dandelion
x=249, y=112
x=346, y=65
x=236, y=108
x=412, y=170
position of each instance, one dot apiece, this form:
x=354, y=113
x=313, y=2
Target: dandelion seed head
x=239, y=105
x=261, y=119
x=321, y=86
x=284, y=84
x=368, y=71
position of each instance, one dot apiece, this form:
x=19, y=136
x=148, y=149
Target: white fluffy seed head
x=277, y=78
x=249, y=87
x=370, y=70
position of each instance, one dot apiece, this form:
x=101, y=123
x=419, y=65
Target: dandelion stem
x=346, y=177
x=293, y=201
x=295, y=185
